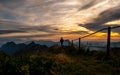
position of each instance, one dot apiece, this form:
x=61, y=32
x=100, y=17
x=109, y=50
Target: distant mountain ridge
x=12, y=48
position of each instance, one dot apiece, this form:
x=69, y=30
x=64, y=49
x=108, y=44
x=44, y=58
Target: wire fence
x=106, y=45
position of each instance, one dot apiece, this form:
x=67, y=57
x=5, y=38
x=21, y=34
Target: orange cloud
x=100, y=34
x=115, y=34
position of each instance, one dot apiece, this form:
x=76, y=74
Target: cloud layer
x=104, y=17
x=23, y=19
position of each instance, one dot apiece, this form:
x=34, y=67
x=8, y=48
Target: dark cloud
x=10, y=31
x=51, y=29
x=89, y=4
x=7, y=15
x=109, y=15
x=32, y=36
x=23, y=37
x=8, y=24
x=75, y=32
x=18, y=26
x=10, y=1
x=41, y=28
x=12, y=4
x=94, y=27
x=47, y=28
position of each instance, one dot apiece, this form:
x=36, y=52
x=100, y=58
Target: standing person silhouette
x=61, y=41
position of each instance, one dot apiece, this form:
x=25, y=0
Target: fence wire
x=83, y=41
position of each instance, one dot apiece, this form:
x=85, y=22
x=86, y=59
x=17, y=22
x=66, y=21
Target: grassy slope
x=61, y=61
x=81, y=65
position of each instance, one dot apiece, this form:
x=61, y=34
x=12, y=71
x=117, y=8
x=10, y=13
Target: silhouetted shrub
x=87, y=51
x=100, y=55
x=41, y=66
x=81, y=51
x=115, y=62
x=70, y=50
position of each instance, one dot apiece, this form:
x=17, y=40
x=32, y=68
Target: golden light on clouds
x=100, y=34
x=115, y=34
x=114, y=22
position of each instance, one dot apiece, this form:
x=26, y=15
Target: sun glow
x=114, y=34
x=100, y=34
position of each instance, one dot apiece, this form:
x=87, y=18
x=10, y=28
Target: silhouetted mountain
x=33, y=47
x=12, y=48
x=30, y=46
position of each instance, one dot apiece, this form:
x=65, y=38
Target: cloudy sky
x=23, y=20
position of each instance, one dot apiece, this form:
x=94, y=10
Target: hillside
x=60, y=61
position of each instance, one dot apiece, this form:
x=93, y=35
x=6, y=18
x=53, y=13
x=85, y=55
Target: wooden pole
x=72, y=42
x=79, y=43
x=108, y=42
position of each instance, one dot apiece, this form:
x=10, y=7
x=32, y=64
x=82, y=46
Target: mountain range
x=33, y=46
x=13, y=48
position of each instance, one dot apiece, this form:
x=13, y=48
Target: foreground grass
x=59, y=62
x=81, y=65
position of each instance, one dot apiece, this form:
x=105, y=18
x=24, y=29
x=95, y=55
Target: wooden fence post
x=79, y=43
x=108, y=42
x=72, y=42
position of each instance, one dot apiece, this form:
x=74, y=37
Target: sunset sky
x=24, y=20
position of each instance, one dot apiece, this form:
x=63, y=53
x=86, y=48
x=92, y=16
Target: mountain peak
x=31, y=43
x=10, y=43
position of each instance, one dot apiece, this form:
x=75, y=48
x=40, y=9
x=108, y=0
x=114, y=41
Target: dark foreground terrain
x=60, y=61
